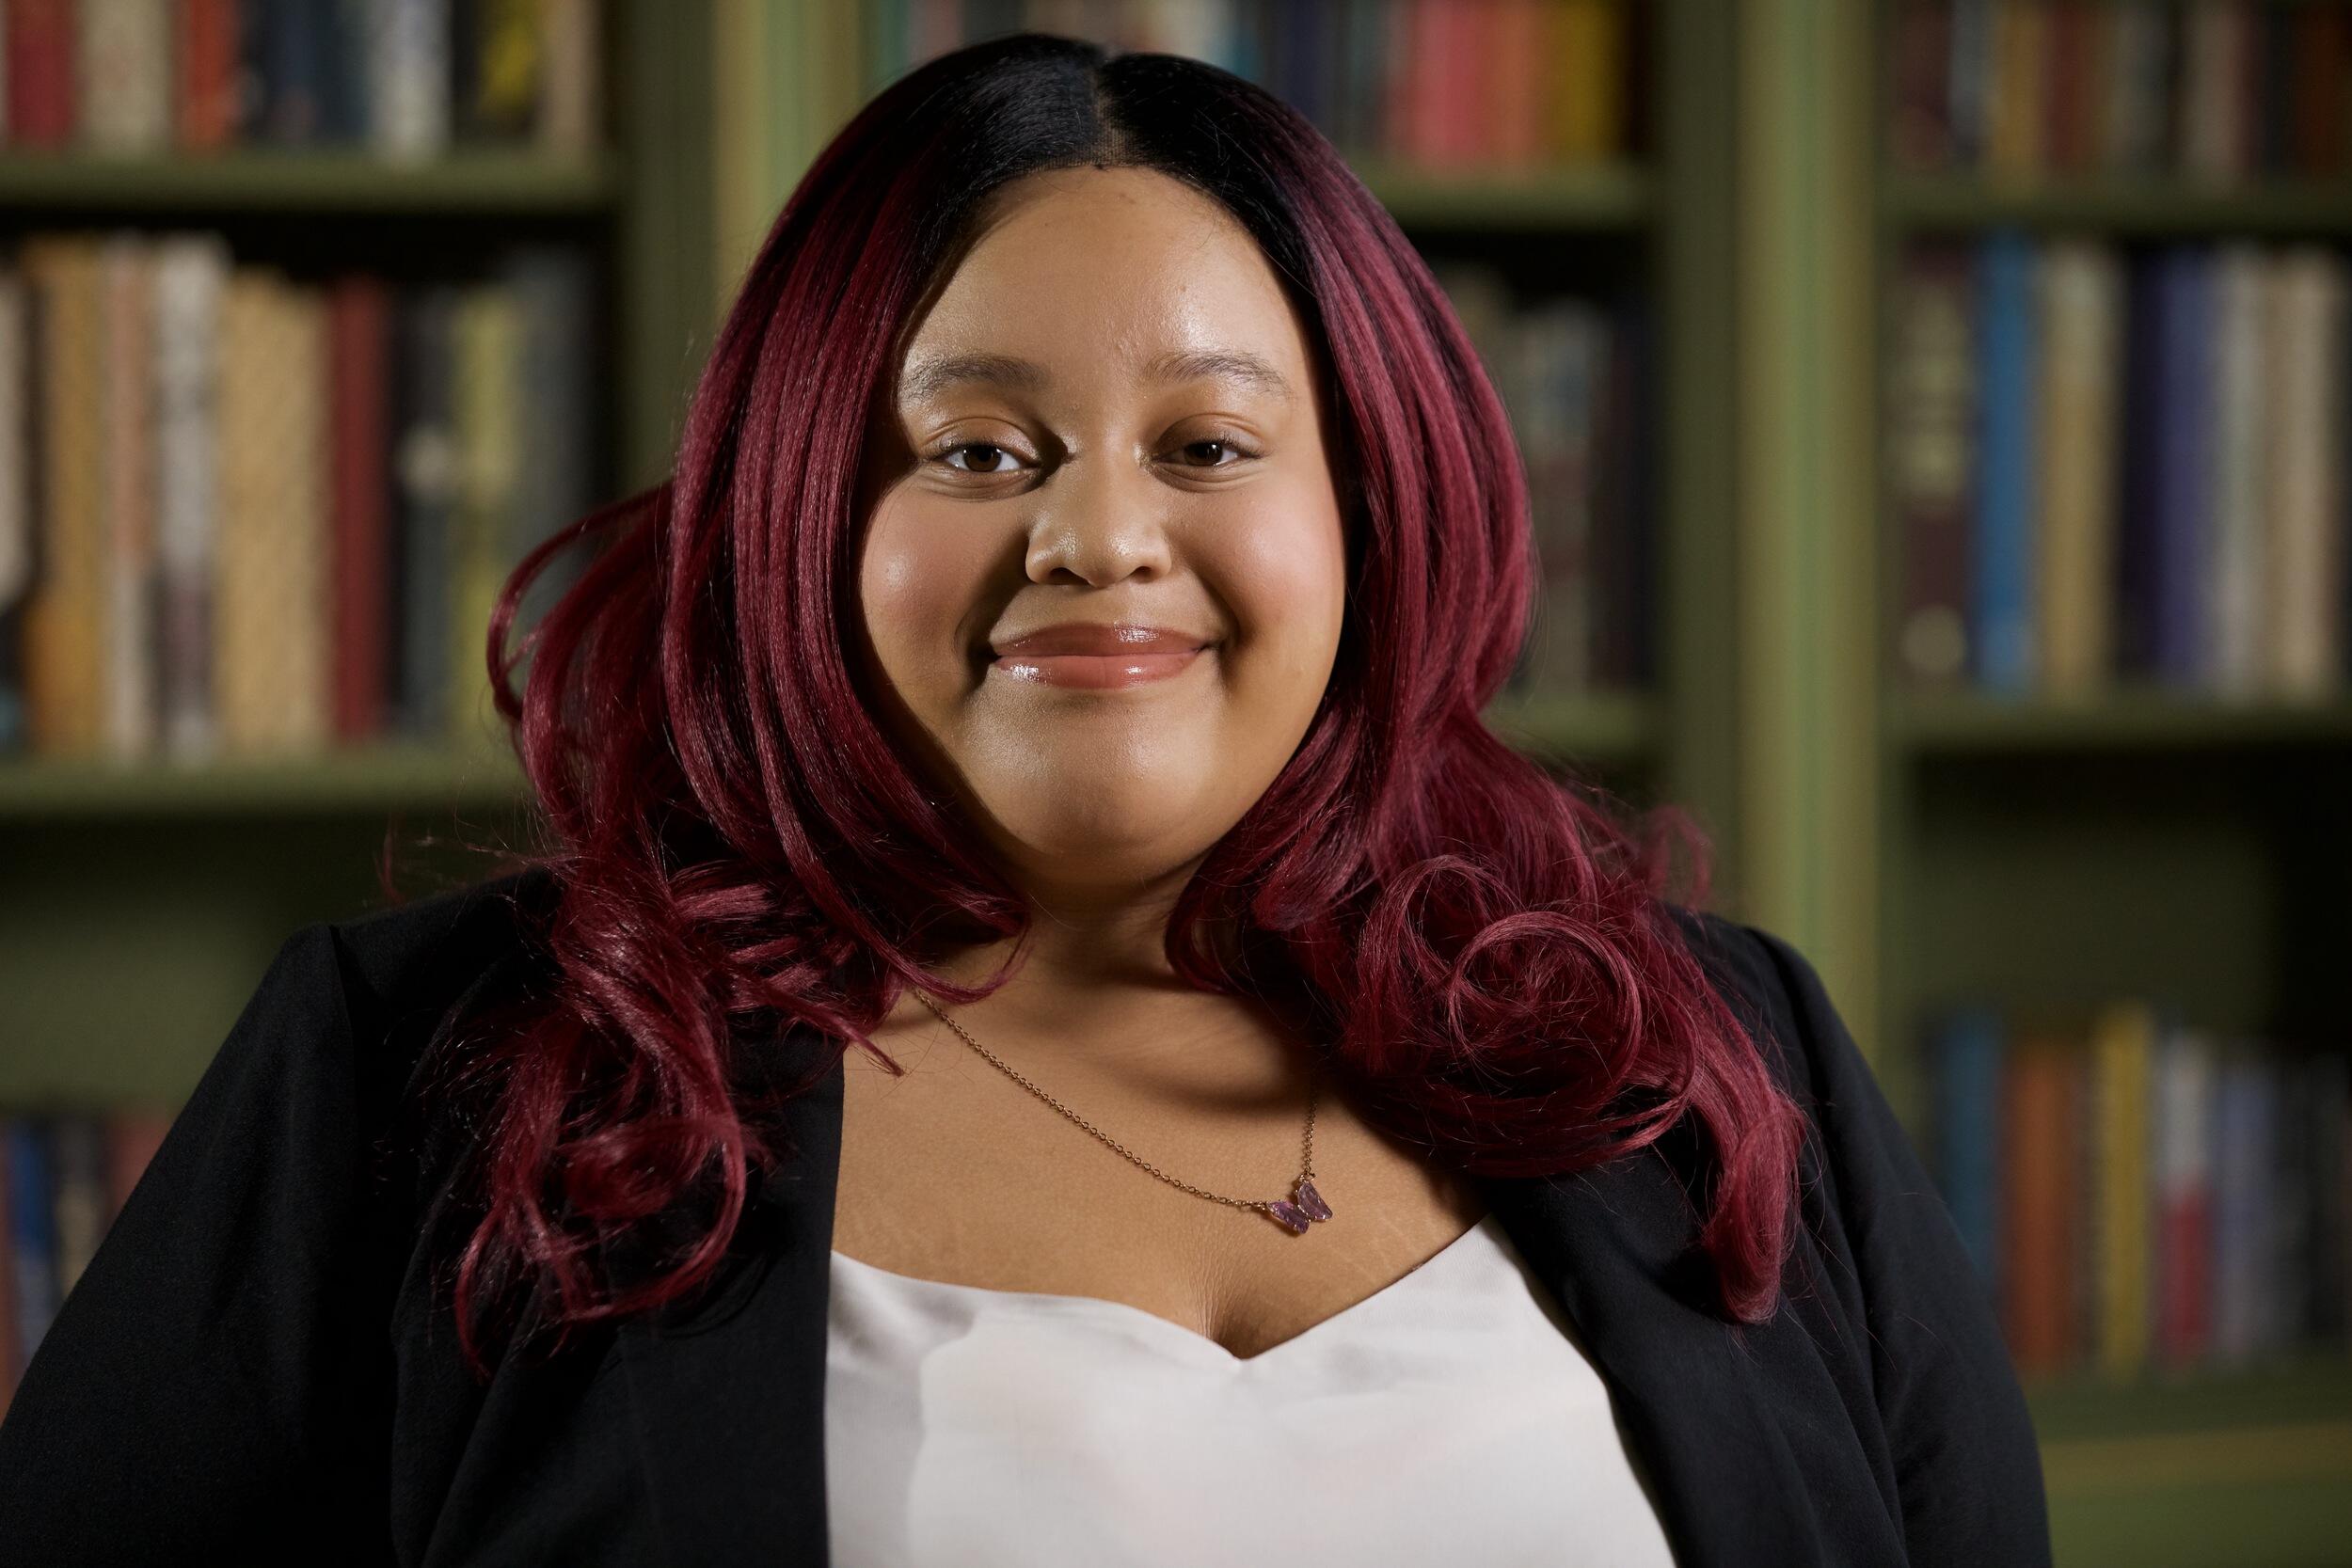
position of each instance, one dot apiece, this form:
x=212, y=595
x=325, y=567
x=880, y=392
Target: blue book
x=2135, y=552
x=1309, y=28
x=2180, y=529
x=1966, y=1050
x=1244, y=54
x=2001, y=599
x=2245, y=1208
x=32, y=1229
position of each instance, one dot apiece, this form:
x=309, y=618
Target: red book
x=43, y=108
x=2323, y=62
x=1440, y=91
x=360, y=438
x=1922, y=43
x=11, y=1335
x=1417, y=82
x=2184, y=1196
x=1521, y=54
x=2070, y=109
x=206, y=70
x=1464, y=83
x=2038, y=1105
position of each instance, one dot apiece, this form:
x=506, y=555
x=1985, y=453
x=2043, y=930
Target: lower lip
x=1095, y=671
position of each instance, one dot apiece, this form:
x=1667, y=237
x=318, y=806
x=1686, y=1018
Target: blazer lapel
x=1611, y=1245
x=729, y=1398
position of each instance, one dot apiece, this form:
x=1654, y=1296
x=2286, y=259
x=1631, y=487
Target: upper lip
x=1093, y=637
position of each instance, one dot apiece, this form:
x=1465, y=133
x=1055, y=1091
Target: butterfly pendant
x=1303, y=1206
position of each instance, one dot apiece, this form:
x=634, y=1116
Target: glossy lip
x=1096, y=656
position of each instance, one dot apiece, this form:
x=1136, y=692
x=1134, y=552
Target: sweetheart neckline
x=1201, y=1343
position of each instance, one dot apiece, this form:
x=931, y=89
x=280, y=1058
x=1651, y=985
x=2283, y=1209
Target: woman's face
x=1104, y=430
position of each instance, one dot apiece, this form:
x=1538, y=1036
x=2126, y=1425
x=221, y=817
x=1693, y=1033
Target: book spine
x=2001, y=607
x=1931, y=462
x=2184, y=1183
x=18, y=501
x=2123, y=1045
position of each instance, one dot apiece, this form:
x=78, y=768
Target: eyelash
x=1231, y=444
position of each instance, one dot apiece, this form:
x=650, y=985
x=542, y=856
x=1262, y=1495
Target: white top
x=1450, y=1417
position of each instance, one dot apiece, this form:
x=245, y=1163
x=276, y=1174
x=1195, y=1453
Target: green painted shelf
x=2312, y=1385
x=2152, y=205
x=2124, y=719
x=362, y=779
x=2248, y=1464
x=492, y=180
x=1591, y=197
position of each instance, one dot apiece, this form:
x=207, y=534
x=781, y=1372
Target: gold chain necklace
x=1304, y=1206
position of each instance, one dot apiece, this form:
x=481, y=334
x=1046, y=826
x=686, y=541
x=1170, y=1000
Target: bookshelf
x=2046, y=842
x=203, y=868
x=1915, y=844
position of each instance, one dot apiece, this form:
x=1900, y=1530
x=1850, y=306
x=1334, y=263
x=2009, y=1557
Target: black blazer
x=249, y=1361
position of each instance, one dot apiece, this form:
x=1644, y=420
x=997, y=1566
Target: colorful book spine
x=2039, y=1120
x=1573, y=376
x=2002, y=593
x=2185, y=1135
x=1930, y=461
x=2122, y=1043
x=2139, y=1193
x=1966, y=1051
x=64, y=1177
x=2214, y=91
x=1497, y=84
x=256, y=515
x=2112, y=468
x=19, y=504
x=405, y=79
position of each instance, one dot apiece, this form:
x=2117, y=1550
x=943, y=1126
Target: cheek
x=1283, y=568
x=918, y=580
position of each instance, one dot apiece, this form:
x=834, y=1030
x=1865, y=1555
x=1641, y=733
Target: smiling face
x=1104, y=434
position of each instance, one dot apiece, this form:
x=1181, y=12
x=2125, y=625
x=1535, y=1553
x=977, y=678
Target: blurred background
x=1936, y=415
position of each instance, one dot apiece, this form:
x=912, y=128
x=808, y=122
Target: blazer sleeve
x=1968, y=1464
x=212, y=1383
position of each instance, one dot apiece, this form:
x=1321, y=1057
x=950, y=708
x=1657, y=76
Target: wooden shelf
x=2090, y=1407
x=2151, y=205
x=372, y=779
x=2127, y=719
x=1588, y=196
x=328, y=180
x=2207, y=1466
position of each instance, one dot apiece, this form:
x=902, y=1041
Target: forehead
x=1079, y=274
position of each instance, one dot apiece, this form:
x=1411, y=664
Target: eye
x=1222, y=446
x=989, y=451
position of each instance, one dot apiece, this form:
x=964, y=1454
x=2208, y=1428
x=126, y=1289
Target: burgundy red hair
x=1481, y=949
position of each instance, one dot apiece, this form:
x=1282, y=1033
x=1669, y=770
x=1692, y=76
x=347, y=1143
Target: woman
x=1284, y=1125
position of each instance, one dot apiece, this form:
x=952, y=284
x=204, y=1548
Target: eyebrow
x=932, y=376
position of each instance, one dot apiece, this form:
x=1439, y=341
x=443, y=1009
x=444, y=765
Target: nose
x=1100, y=519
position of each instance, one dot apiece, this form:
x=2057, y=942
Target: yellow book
x=2080, y=309
x=65, y=615
x=2020, y=54
x=1586, y=84
x=270, y=587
